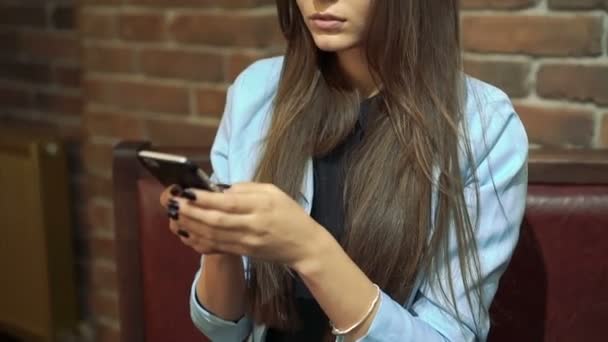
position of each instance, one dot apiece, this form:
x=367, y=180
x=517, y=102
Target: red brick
x=94, y=24
x=103, y=247
x=211, y=101
x=203, y=3
x=180, y=133
x=101, y=217
x=142, y=27
x=23, y=16
x=63, y=18
x=604, y=131
x=9, y=42
x=238, y=61
x=102, y=276
x=139, y=95
x=101, y=2
x=64, y=104
x=497, y=4
x=107, y=333
x=104, y=304
x=97, y=186
x=579, y=35
x=98, y=124
x=574, y=82
x=109, y=59
x=14, y=97
x=50, y=45
x=227, y=29
x=557, y=126
x=67, y=76
x=196, y=66
x=578, y=4
x=99, y=158
x=26, y=72
x=113, y=125
x=66, y=128
x=510, y=76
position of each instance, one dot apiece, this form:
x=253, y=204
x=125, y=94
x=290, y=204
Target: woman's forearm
x=221, y=286
x=339, y=286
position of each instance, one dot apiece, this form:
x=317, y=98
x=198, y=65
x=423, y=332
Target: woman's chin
x=333, y=43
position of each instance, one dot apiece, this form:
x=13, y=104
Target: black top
x=327, y=210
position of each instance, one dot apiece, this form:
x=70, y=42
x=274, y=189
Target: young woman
x=376, y=190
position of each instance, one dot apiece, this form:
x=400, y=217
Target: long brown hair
x=416, y=135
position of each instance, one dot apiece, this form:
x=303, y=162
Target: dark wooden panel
x=568, y=166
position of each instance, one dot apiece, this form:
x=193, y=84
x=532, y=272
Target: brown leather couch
x=556, y=288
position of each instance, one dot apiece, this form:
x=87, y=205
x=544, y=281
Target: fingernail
x=174, y=208
x=183, y=233
x=173, y=203
x=224, y=186
x=189, y=195
x=173, y=214
x=176, y=190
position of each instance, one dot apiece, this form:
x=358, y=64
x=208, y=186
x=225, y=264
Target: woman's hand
x=260, y=221
x=252, y=219
x=166, y=197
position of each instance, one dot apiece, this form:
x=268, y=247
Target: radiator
x=37, y=285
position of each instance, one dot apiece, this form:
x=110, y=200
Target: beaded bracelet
x=340, y=332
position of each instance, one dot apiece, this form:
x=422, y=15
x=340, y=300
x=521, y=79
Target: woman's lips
x=326, y=21
x=327, y=24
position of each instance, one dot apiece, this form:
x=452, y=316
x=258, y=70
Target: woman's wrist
x=319, y=247
x=221, y=287
x=348, y=297
x=222, y=258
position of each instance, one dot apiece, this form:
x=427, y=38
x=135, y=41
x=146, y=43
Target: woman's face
x=335, y=25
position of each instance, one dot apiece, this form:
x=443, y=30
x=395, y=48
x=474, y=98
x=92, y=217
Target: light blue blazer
x=500, y=150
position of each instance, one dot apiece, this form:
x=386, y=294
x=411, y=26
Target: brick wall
x=159, y=69
x=551, y=57
x=40, y=63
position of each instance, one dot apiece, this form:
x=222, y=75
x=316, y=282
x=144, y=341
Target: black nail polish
x=224, y=186
x=189, y=195
x=176, y=190
x=173, y=203
x=173, y=214
x=183, y=233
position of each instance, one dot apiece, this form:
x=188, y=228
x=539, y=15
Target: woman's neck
x=354, y=64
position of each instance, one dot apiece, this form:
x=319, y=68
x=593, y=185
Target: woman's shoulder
x=260, y=77
x=492, y=122
x=487, y=106
x=251, y=94
x=250, y=97
x=480, y=95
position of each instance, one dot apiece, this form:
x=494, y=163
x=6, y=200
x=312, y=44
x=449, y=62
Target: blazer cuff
x=214, y=327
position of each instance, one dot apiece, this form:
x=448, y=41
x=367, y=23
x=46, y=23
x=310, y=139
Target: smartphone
x=172, y=169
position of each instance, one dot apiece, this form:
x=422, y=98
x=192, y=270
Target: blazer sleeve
x=500, y=150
